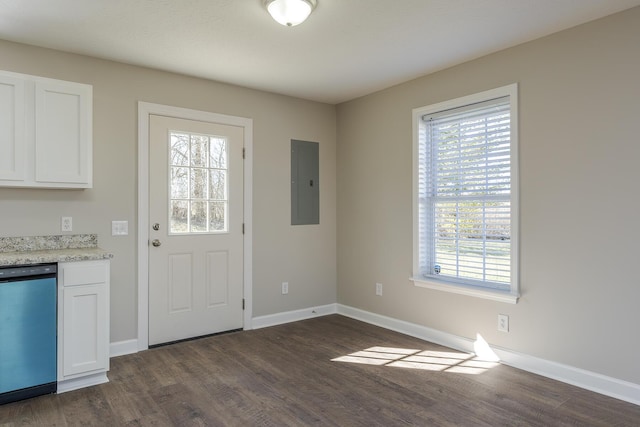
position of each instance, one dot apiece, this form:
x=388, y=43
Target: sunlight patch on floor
x=427, y=360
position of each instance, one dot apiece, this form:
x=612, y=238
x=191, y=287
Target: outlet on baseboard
x=379, y=289
x=285, y=288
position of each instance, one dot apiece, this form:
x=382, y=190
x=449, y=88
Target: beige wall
x=579, y=151
x=305, y=256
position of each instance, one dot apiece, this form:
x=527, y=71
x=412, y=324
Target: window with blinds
x=465, y=193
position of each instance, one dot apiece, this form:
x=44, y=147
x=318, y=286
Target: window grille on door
x=198, y=183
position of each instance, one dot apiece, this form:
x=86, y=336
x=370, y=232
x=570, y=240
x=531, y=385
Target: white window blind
x=464, y=195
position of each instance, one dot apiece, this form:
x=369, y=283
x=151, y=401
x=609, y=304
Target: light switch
x=119, y=228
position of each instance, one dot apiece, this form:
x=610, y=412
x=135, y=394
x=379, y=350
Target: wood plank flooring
x=285, y=376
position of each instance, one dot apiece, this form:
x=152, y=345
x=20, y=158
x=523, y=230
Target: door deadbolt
x=156, y=242
x=156, y=226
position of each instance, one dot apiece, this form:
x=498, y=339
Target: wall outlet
x=66, y=223
x=503, y=323
x=285, y=288
x=379, y=289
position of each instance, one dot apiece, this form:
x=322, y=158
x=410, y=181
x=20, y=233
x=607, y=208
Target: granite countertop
x=46, y=249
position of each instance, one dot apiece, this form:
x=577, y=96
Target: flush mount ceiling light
x=290, y=12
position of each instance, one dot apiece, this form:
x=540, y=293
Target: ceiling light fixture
x=290, y=12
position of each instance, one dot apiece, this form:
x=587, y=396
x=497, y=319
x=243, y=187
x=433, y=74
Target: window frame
x=459, y=286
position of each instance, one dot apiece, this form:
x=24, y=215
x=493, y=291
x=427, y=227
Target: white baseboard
x=588, y=380
x=121, y=348
x=82, y=382
x=292, y=316
x=613, y=387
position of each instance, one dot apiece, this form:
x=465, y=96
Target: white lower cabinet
x=83, y=324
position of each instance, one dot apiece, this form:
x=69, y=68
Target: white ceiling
x=346, y=49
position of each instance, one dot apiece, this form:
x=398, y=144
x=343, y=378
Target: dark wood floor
x=287, y=376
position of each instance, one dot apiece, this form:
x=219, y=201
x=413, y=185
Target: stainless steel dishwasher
x=28, y=331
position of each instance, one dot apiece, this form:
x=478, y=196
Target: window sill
x=465, y=290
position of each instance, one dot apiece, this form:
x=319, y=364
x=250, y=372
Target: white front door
x=195, y=236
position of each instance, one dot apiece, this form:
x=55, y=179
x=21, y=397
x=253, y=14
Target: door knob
x=156, y=242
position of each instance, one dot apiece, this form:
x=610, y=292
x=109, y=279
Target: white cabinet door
x=85, y=346
x=84, y=321
x=45, y=132
x=12, y=116
x=63, y=130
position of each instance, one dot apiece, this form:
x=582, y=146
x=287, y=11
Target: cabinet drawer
x=83, y=273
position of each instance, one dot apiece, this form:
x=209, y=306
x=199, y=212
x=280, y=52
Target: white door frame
x=145, y=109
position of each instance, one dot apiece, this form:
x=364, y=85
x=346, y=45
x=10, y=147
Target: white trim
x=411, y=329
x=145, y=109
x=598, y=383
x=613, y=387
x=511, y=91
x=82, y=382
x=466, y=290
x=293, y=316
x=122, y=348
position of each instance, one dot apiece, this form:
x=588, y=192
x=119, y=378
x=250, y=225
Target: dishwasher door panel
x=27, y=333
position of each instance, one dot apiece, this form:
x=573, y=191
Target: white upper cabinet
x=11, y=128
x=45, y=132
x=63, y=128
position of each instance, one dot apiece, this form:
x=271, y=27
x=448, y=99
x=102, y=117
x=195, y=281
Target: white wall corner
x=292, y=316
x=602, y=384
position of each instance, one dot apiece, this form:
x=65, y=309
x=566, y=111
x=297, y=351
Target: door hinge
x=243, y=303
x=244, y=153
x=243, y=228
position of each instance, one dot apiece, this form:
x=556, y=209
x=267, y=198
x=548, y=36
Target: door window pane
x=178, y=216
x=198, y=193
x=217, y=216
x=179, y=183
x=218, y=153
x=198, y=217
x=198, y=183
x=199, y=150
x=179, y=155
x=218, y=185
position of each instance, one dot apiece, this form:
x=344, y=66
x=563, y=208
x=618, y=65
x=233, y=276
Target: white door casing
x=145, y=232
